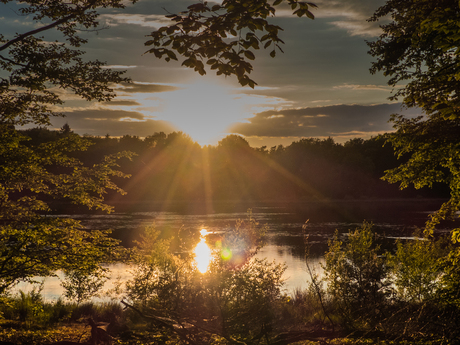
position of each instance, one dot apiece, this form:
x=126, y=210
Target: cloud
x=144, y=20
x=358, y=27
x=112, y=122
x=104, y=115
x=124, y=103
x=363, y=87
x=334, y=121
x=351, y=15
x=120, y=66
x=147, y=88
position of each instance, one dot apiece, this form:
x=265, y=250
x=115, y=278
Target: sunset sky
x=320, y=87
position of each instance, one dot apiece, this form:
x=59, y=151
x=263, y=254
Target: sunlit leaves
x=356, y=275
x=234, y=300
x=33, y=177
x=42, y=246
x=415, y=269
x=36, y=70
x=223, y=36
x=432, y=152
x=418, y=50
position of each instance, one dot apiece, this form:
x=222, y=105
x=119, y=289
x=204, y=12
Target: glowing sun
x=206, y=109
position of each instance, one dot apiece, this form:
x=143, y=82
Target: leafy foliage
x=33, y=177
x=356, y=276
x=223, y=36
x=80, y=285
x=234, y=300
x=415, y=269
x=36, y=70
x=419, y=49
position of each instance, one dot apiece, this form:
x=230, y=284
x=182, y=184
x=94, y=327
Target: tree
x=356, y=276
x=415, y=269
x=223, y=36
x=419, y=51
x=234, y=141
x=33, y=175
x=81, y=285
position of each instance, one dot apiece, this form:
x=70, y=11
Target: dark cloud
x=104, y=115
x=147, y=88
x=123, y=103
x=113, y=122
x=321, y=121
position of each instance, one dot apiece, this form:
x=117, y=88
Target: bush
x=415, y=269
x=357, y=277
x=237, y=299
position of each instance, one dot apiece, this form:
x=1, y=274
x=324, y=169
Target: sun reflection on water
x=202, y=253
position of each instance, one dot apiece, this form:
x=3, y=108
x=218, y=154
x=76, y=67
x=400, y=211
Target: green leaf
x=299, y=12
x=309, y=15
x=171, y=55
x=249, y=54
x=265, y=37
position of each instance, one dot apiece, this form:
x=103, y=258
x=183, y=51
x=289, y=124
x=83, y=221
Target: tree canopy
x=34, y=74
x=36, y=69
x=223, y=36
x=419, y=51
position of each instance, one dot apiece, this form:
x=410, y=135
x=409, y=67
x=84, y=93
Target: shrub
x=237, y=299
x=415, y=269
x=356, y=276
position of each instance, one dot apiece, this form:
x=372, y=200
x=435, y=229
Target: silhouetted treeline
x=173, y=168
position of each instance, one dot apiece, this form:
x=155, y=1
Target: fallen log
x=65, y=342
x=319, y=336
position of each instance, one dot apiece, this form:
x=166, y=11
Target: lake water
x=287, y=227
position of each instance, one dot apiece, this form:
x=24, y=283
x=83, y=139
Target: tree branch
x=47, y=27
x=11, y=61
x=164, y=322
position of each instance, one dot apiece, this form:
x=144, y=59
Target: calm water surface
x=288, y=225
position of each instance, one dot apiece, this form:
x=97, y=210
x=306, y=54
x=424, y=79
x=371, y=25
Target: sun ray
x=174, y=185
x=234, y=177
x=207, y=180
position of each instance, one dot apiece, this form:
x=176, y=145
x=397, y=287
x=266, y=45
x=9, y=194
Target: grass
x=27, y=319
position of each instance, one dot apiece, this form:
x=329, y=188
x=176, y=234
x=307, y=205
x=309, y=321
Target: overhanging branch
x=47, y=27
